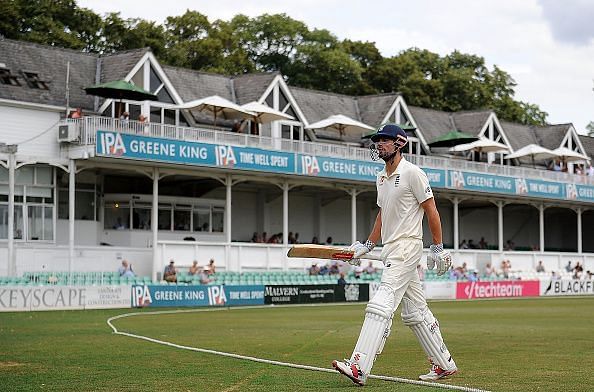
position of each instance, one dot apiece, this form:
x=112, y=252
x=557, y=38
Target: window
x=270, y=100
x=201, y=219
x=218, y=215
x=34, y=203
x=181, y=218
x=291, y=112
x=84, y=204
x=182, y=121
x=138, y=78
x=48, y=223
x=296, y=132
x=33, y=80
x=18, y=222
x=155, y=114
x=400, y=116
x=120, y=107
x=141, y=216
x=164, y=222
x=24, y=175
x=286, y=131
x=292, y=132
x=107, y=112
x=172, y=216
x=155, y=82
x=3, y=221
x=134, y=111
x=35, y=226
x=169, y=116
x=63, y=204
x=282, y=100
x=7, y=78
x=157, y=87
x=44, y=175
x=117, y=216
x=164, y=96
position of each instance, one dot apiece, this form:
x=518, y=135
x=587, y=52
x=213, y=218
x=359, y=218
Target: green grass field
x=499, y=345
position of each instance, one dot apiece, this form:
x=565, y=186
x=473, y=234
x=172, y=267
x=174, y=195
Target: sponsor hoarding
x=566, y=287
x=497, y=289
x=321, y=293
x=107, y=297
x=310, y=165
x=192, y=296
x=123, y=145
x=244, y=295
x=168, y=296
x=27, y=298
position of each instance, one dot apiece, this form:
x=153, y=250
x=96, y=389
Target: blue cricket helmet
x=391, y=131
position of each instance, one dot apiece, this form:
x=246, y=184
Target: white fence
x=239, y=256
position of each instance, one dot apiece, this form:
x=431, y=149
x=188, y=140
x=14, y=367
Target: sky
x=546, y=45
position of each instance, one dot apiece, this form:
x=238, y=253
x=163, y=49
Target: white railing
x=89, y=125
x=243, y=256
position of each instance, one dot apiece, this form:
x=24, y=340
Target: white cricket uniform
x=400, y=196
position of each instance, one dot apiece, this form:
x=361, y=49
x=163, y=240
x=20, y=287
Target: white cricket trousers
x=400, y=273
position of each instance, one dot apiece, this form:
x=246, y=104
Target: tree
x=270, y=41
x=590, y=128
x=365, y=53
x=307, y=58
x=191, y=42
x=132, y=34
x=414, y=73
x=235, y=59
x=325, y=69
x=454, y=82
x=10, y=12
x=57, y=23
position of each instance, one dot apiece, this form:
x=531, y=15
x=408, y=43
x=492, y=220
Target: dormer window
x=7, y=78
x=33, y=80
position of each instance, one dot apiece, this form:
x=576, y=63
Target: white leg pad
x=426, y=328
x=376, y=328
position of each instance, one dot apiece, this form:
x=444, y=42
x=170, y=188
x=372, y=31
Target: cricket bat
x=326, y=252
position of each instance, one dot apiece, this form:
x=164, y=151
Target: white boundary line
x=261, y=360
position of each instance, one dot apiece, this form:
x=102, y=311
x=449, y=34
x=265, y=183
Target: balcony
x=89, y=125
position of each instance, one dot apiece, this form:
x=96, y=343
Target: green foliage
x=310, y=58
x=590, y=128
x=10, y=12
x=270, y=41
x=329, y=70
x=49, y=22
x=123, y=34
x=365, y=53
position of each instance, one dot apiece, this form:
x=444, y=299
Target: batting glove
x=360, y=250
x=439, y=257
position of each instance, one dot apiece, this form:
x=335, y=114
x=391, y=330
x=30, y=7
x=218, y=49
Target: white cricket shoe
x=351, y=370
x=435, y=373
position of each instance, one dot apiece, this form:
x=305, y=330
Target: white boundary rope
x=261, y=360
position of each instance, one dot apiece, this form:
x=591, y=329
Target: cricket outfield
x=499, y=345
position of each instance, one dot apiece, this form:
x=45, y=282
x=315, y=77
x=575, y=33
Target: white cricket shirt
x=400, y=196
